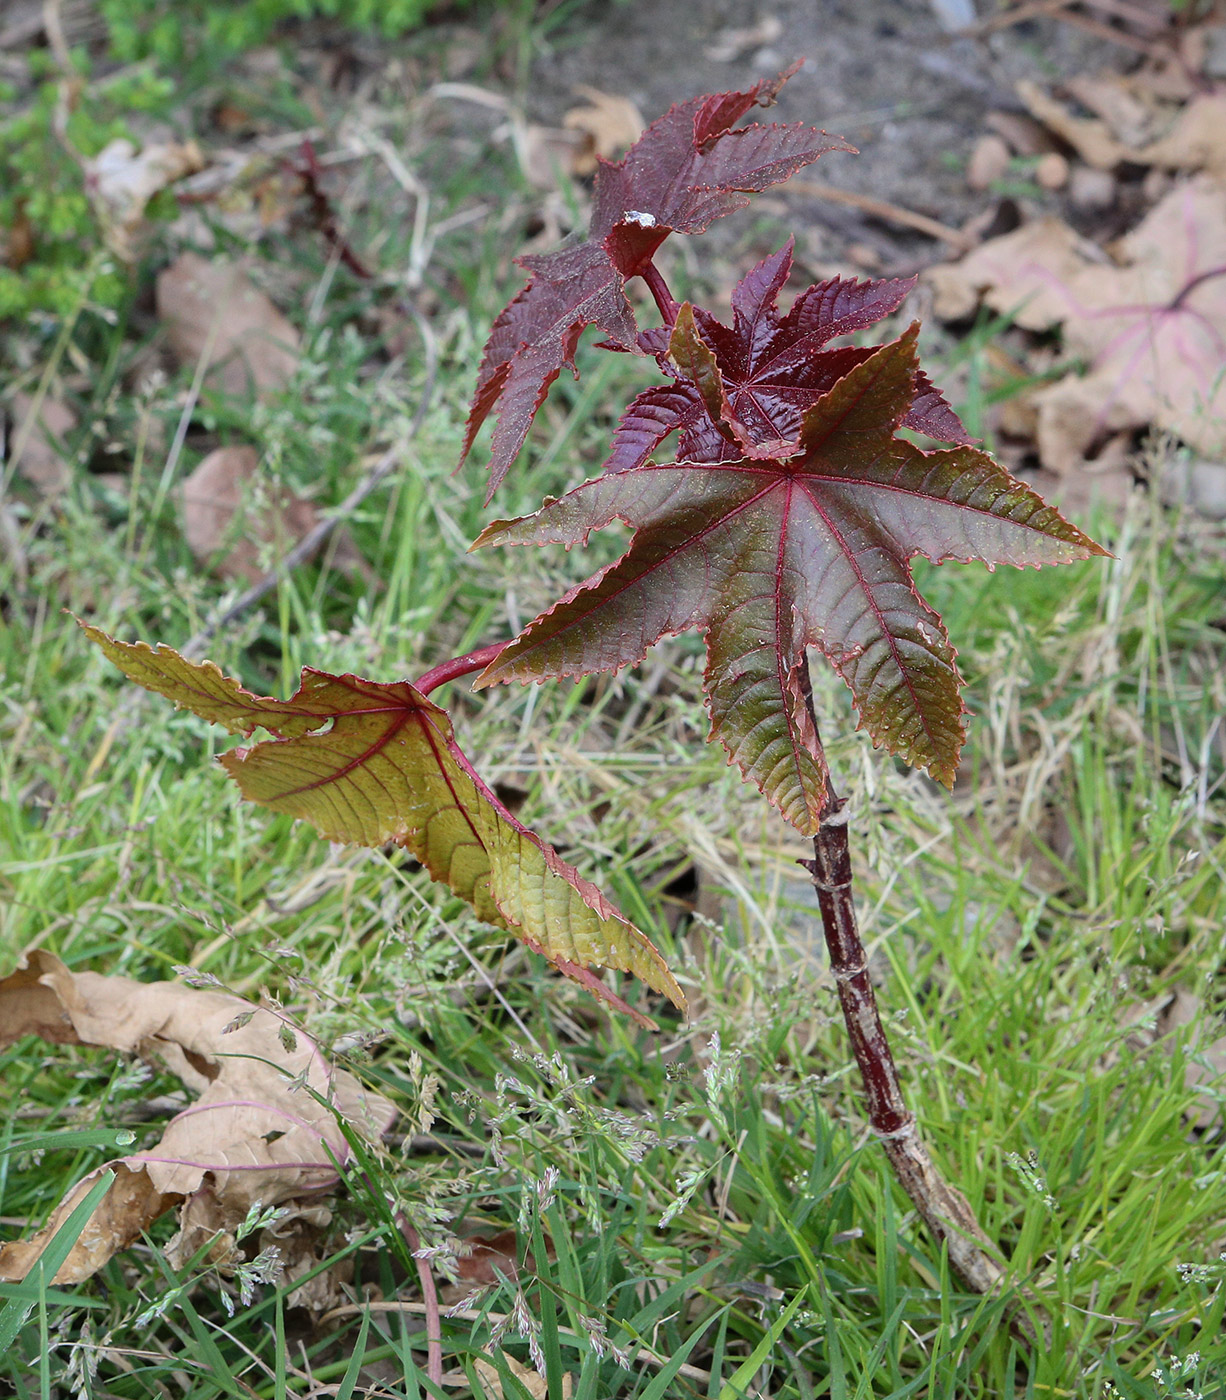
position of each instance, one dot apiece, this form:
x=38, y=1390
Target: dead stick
x=1113, y=36
x=1017, y=14
x=882, y=209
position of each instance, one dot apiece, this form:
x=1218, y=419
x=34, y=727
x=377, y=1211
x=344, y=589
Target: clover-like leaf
x=687, y=169
x=770, y=556
x=373, y=763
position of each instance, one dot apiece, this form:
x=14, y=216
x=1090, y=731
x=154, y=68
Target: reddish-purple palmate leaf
x=773, y=368
x=687, y=169
x=770, y=555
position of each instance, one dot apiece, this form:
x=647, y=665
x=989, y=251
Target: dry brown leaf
x=547, y=154
x=37, y=458
x=121, y=181
x=1090, y=137
x=301, y=1243
x=730, y=44
x=1041, y=257
x=1197, y=140
x=1206, y=1064
x=532, y=1381
x=1151, y=326
x=17, y=242
x=1024, y=135
x=214, y=313
x=256, y=1133
x=1112, y=97
x=610, y=124
x=225, y=523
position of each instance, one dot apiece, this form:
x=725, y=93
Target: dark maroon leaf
x=773, y=368
x=687, y=169
x=648, y=421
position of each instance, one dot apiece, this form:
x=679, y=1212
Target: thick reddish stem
x=944, y=1209
x=658, y=287
x=458, y=666
x=832, y=879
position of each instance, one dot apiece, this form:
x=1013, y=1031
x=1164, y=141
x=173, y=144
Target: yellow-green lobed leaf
x=371, y=763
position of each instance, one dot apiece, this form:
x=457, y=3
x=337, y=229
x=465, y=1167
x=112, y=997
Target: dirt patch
x=881, y=73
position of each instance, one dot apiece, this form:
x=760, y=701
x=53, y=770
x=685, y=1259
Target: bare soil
x=881, y=73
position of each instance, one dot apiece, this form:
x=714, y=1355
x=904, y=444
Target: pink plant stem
x=944, y=1209
x=429, y=1297
x=458, y=666
x=658, y=287
x=1187, y=290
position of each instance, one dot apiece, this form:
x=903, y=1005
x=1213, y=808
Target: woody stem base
x=945, y=1210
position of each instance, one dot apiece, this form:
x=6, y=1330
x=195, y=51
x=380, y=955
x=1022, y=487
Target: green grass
x=708, y=1214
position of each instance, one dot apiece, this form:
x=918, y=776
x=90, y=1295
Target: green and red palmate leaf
x=374, y=763
x=770, y=554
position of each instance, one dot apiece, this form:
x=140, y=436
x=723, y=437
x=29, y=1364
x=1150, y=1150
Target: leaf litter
x=265, y=1128
x=1150, y=323
x=232, y=518
x=1134, y=282
x=214, y=316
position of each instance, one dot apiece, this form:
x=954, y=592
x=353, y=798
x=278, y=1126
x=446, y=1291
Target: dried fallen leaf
x=1151, y=326
x=1129, y=112
x=1205, y=1063
x=730, y=44
x=611, y=125
x=264, y=1128
x=224, y=521
x=532, y=1381
x=37, y=456
x=1196, y=139
x=121, y=181
x=548, y=154
x=214, y=313
x=1090, y=137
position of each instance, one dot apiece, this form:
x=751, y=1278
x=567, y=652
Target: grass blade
x=734, y=1387
x=19, y=1306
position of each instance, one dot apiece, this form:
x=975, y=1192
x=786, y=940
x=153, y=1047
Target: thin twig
x=1016, y=14
x=1062, y=10
x=1114, y=36
x=882, y=209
